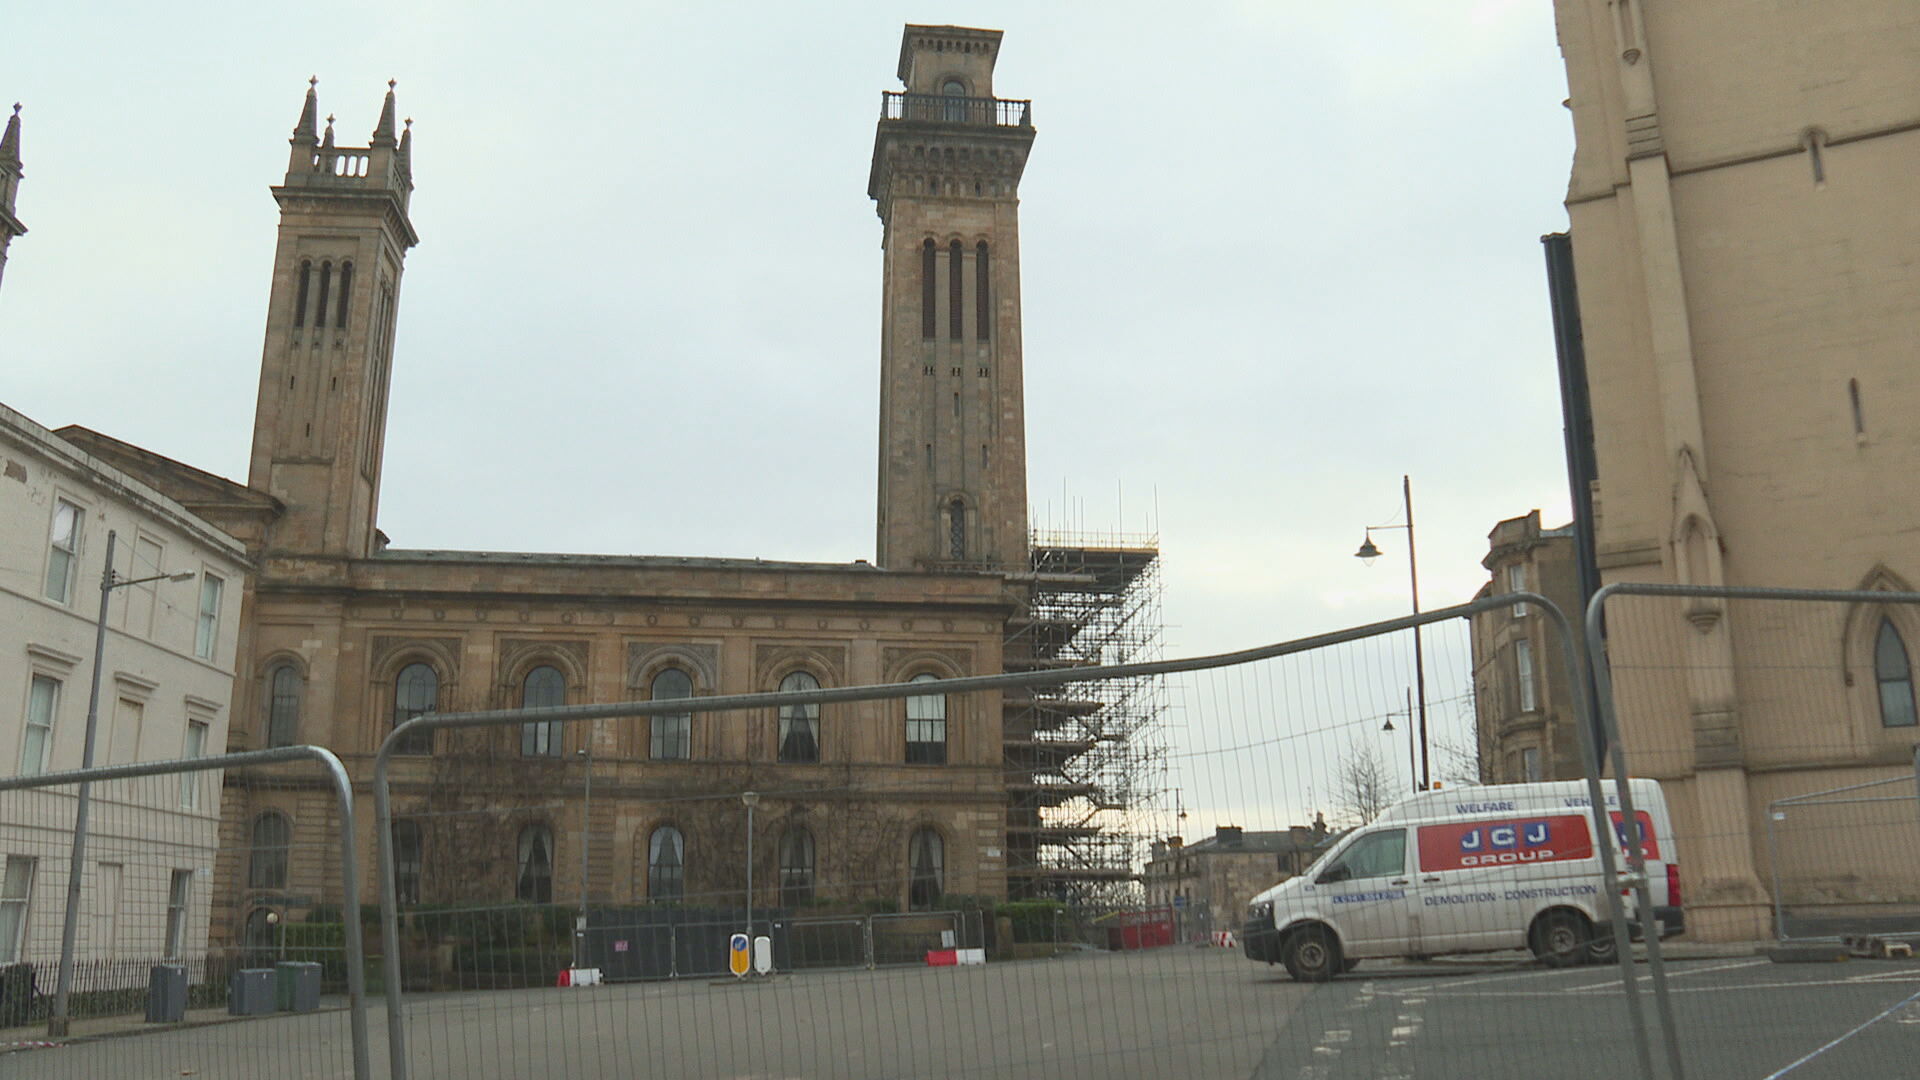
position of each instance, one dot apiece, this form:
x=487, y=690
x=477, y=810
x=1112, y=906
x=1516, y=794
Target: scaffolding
x=1086, y=761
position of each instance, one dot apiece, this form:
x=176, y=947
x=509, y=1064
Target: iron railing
x=943, y=109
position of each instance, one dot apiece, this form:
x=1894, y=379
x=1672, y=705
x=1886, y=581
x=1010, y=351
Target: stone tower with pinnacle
x=10, y=173
x=320, y=425
x=947, y=160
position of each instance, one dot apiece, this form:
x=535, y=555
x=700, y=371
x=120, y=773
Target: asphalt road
x=1746, y=1018
x=1191, y=1014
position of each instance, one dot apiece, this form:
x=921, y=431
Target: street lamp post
x=1367, y=553
x=752, y=799
x=58, y=1023
x=586, y=838
x=1413, y=770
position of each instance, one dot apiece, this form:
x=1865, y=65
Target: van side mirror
x=1335, y=873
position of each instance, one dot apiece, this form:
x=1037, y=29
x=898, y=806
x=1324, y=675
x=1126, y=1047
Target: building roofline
x=59, y=452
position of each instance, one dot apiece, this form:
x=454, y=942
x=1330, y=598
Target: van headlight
x=1260, y=912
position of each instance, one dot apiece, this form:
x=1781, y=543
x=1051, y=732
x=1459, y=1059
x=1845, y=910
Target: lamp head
x=1367, y=552
x=751, y=798
x=1388, y=726
x=184, y=575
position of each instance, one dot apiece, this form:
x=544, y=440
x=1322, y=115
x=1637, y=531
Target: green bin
x=296, y=986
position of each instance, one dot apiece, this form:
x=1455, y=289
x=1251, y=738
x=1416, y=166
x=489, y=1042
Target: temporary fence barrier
x=180, y=894
x=514, y=852
x=1871, y=824
x=1781, y=724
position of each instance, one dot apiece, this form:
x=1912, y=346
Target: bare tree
x=1456, y=758
x=1364, y=782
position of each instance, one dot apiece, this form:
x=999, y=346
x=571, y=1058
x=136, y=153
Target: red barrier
x=1144, y=929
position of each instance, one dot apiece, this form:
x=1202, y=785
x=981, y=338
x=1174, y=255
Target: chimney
x=1227, y=835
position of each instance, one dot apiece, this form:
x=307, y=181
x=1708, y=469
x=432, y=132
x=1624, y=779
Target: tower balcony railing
x=944, y=109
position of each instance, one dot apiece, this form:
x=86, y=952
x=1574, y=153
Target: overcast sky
x=1276, y=254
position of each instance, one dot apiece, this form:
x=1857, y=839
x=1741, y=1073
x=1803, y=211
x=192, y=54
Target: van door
x=1482, y=881
x=1364, y=894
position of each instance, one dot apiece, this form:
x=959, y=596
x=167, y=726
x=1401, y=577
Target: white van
x=1468, y=869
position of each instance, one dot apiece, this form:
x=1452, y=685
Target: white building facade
x=165, y=691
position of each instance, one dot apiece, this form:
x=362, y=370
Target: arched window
x=955, y=93
x=300, y=298
x=796, y=868
x=929, y=290
x=957, y=530
x=283, y=705
x=406, y=861
x=326, y=284
x=415, y=691
x=927, y=727
x=799, y=724
x=666, y=864
x=956, y=291
x=535, y=883
x=926, y=869
x=672, y=734
x=1895, y=676
x=983, y=328
x=543, y=688
x=267, y=857
x=346, y=295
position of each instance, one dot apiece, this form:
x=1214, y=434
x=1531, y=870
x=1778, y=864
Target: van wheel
x=1561, y=938
x=1602, y=949
x=1312, y=954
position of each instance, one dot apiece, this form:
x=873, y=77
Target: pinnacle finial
x=405, y=153
x=383, y=134
x=307, y=129
x=326, y=142
x=10, y=142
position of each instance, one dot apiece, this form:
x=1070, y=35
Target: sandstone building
x=1523, y=709
x=895, y=802
x=1743, y=244
x=1209, y=883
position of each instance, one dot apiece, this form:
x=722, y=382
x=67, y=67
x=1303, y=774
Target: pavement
x=85, y=1029
x=1187, y=1013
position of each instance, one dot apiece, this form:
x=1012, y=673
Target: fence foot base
x=1808, y=954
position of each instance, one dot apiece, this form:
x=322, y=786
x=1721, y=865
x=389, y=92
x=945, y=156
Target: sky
x=1275, y=255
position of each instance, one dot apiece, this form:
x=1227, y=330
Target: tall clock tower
x=947, y=160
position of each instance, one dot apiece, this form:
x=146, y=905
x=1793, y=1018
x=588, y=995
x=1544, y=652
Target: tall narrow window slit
x=929, y=290
x=956, y=292
x=983, y=328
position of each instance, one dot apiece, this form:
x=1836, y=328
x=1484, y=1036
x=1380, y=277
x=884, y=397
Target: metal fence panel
x=1848, y=849
x=1780, y=724
x=176, y=875
x=528, y=837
